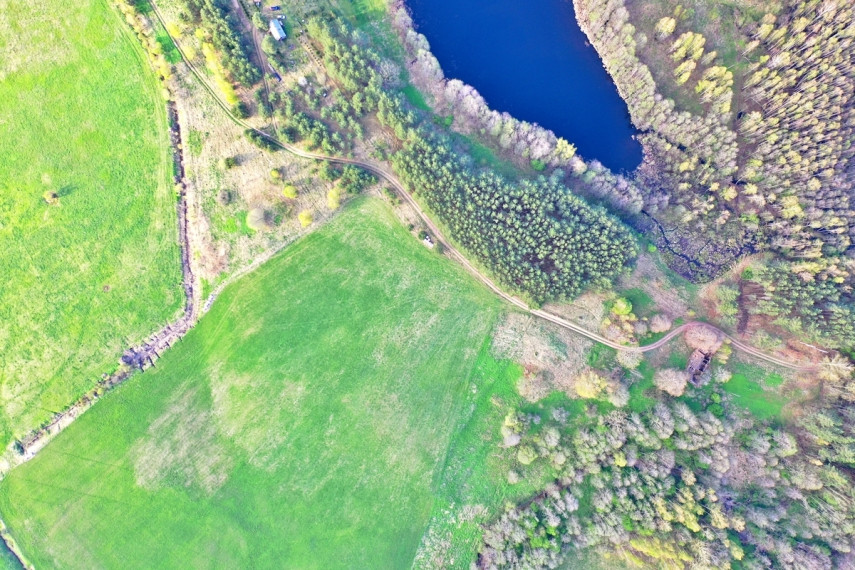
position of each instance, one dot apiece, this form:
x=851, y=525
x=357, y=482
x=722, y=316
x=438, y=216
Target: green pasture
x=304, y=423
x=746, y=387
x=98, y=270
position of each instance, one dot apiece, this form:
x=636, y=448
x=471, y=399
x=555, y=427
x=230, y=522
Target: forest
x=534, y=235
x=680, y=487
x=775, y=166
x=753, y=150
x=215, y=19
x=538, y=237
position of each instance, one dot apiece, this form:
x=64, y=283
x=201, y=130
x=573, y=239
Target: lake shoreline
x=529, y=62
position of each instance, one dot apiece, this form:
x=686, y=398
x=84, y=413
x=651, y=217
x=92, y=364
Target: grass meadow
x=305, y=422
x=81, y=116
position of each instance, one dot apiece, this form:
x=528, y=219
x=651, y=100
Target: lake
x=530, y=59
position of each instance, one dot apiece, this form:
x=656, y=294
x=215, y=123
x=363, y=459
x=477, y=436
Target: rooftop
x=276, y=29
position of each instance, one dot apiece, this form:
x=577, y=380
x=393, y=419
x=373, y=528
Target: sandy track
x=452, y=252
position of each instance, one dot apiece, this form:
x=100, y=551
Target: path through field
x=452, y=251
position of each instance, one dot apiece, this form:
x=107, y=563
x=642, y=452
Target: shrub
x=256, y=219
x=333, y=199
x=224, y=197
x=622, y=307
x=305, y=218
x=51, y=197
x=260, y=141
x=526, y=455
x=289, y=191
x=590, y=385
x=660, y=323
x=671, y=381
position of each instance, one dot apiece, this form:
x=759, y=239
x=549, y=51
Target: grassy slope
x=81, y=115
x=302, y=424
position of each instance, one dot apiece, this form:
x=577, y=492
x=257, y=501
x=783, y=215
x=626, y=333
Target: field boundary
x=381, y=172
x=143, y=355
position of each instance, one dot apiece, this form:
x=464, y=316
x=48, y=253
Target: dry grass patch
x=650, y=278
x=552, y=356
x=182, y=449
x=254, y=419
x=587, y=310
x=221, y=198
x=22, y=34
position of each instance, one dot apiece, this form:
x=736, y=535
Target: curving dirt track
x=381, y=172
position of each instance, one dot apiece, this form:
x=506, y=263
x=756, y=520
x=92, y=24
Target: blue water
x=529, y=58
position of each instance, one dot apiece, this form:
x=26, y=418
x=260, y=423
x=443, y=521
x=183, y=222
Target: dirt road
x=381, y=172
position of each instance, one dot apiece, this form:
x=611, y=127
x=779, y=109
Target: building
x=697, y=366
x=276, y=30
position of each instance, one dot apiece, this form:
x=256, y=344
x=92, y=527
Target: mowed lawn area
x=304, y=423
x=81, y=115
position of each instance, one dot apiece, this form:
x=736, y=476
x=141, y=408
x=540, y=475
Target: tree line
x=215, y=19
x=675, y=487
x=534, y=235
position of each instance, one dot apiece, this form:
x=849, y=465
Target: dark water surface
x=529, y=58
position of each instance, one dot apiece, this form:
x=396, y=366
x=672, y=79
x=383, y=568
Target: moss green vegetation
x=415, y=97
x=639, y=399
x=363, y=12
x=642, y=302
x=88, y=236
x=601, y=356
x=303, y=423
x=746, y=387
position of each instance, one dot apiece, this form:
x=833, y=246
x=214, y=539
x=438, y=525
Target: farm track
x=144, y=355
x=453, y=252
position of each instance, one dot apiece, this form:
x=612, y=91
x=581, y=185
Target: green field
x=304, y=423
x=750, y=394
x=81, y=116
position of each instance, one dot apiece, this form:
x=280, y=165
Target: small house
x=697, y=366
x=276, y=30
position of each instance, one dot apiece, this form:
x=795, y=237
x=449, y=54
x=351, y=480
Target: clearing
x=99, y=269
x=303, y=423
